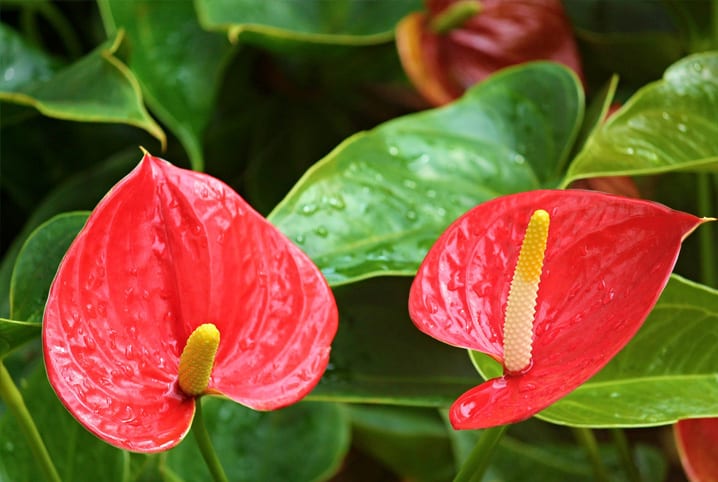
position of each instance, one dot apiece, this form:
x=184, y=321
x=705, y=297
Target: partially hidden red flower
x=697, y=441
x=442, y=65
x=166, y=251
x=602, y=262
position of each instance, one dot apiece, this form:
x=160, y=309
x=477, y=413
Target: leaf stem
x=12, y=397
x=706, y=233
x=455, y=16
x=205, y=445
x=479, y=459
x=587, y=439
x=624, y=451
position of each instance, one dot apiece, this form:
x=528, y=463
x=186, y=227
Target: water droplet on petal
x=466, y=409
x=431, y=304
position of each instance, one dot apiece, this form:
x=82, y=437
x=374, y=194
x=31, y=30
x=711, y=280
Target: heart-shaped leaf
x=347, y=22
x=667, y=125
x=593, y=295
x=179, y=84
x=96, y=88
x=377, y=202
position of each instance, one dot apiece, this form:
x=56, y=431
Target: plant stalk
x=587, y=439
x=624, y=451
x=479, y=459
x=12, y=397
x=454, y=16
x=205, y=445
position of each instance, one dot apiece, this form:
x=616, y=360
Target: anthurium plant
x=347, y=240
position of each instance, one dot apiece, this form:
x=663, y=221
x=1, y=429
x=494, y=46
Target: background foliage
x=306, y=112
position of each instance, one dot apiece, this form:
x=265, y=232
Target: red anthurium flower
x=170, y=253
x=697, y=441
x=583, y=268
x=458, y=43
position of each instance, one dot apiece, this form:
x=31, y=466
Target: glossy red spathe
x=697, y=442
x=504, y=33
x=607, y=260
x=165, y=251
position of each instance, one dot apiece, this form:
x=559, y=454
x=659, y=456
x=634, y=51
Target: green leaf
x=96, y=88
x=80, y=192
x=340, y=22
x=178, y=64
x=303, y=442
x=37, y=263
x=78, y=455
x=14, y=333
x=378, y=202
x=378, y=355
x=668, y=125
x=23, y=63
x=413, y=442
x=667, y=372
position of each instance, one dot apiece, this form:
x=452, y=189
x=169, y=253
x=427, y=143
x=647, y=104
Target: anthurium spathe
x=551, y=284
x=176, y=288
x=697, y=441
x=457, y=43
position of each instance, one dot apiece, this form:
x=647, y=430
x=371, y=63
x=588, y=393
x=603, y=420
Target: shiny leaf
x=697, y=440
x=350, y=22
x=594, y=294
x=37, y=263
x=23, y=63
x=96, y=88
x=77, y=454
x=165, y=251
x=666, y=372
x=667, y=125
x=378, y=201
x=180, y=85
x=304, y=442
